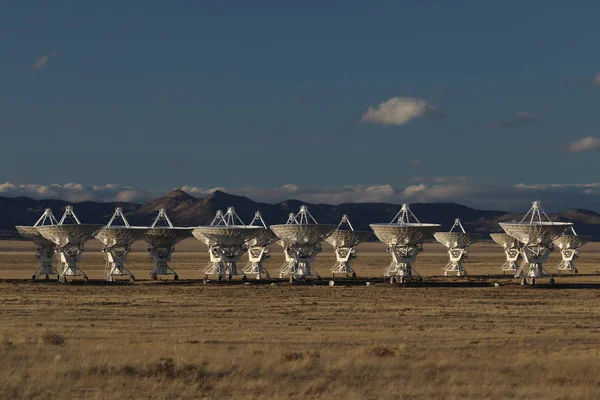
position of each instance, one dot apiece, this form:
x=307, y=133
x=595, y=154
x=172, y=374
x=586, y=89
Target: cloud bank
x=464, y=190
x=399, y=110
x=75, y=192
x=587, y=143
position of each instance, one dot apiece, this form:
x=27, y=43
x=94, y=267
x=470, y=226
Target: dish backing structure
x=456, y=242
x=162, y=241
x=344, y=241
x=69, y=239
x=301, y=239
x=117, y=240
x=226, y=239
x=569, y=243
x=512, y=250
x=45, y=248
x=536, y=232
x=404, y=237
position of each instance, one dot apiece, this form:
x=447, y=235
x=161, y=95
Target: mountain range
x=186, y=210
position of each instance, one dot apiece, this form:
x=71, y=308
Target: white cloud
x=41, y=62
x=398, y=111
x=585, y=144
x=416, y=163
x=463, y=190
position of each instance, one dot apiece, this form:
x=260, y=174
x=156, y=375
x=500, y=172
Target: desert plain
x=188, y=340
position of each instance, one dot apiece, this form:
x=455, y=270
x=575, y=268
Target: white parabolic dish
x=571, y=241
x=31, y=233
x=531, y=234
x=303, y=234
x=226, y=235
x=347, y=238
x=263, y=237
x=405, y=233
x=63, y=235
x=117, y=236
x=504, y=239
x=455, y=239
x=165, y=237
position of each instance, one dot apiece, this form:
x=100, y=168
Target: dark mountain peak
x=179, y=195
x=220, y=198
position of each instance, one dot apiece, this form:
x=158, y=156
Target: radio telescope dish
x=69, y=239
x=535, y=232
x=44, y=248
x=117, y=242
x=456, y=242
x=404, y=237
x=226, y=240
x=512, y=250
x=258, y=248
x=569, y=243
x=344, y=241
x=301, y=239
x=162, y=241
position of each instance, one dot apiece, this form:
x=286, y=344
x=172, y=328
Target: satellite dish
x=69, y=239
x=301, y=239
x=536, y=233
x=344, y=241
x=404, y=236
x=45, y=248
x=226, y=239
x=569, y=243
x=162, y=241
x=456, y=241
x=258, y=247
x=117, y=240
x=512, y=250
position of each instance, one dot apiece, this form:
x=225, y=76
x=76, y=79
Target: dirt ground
x=187, y=340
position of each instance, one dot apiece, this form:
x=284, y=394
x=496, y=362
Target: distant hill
x=187, y=210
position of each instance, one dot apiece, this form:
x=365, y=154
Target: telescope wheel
x=175, y=277
x=132, y=278
x=33, y=277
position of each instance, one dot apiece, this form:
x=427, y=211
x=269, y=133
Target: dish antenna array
x=404, y=237
x=226, y=238
x=117, y=240
x=69, y=239
x=569, y=243
x=344, y=241
x=536, y=232
x=301, y=239
x=162, y=241
x=512, y=250
x=258, y=248
x=44, y=248
x=456, y=241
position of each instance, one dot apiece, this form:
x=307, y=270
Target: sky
x=490, y=104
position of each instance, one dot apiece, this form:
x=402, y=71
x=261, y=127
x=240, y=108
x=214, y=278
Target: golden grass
x=189, y=340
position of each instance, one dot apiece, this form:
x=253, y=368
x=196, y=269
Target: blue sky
x=240, y=94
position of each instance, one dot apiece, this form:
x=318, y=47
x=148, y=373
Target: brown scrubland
x=188, y=340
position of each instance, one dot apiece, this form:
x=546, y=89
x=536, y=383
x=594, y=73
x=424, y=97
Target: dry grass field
x=187, y=340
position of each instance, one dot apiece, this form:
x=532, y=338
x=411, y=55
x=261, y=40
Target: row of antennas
x=48, y=217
